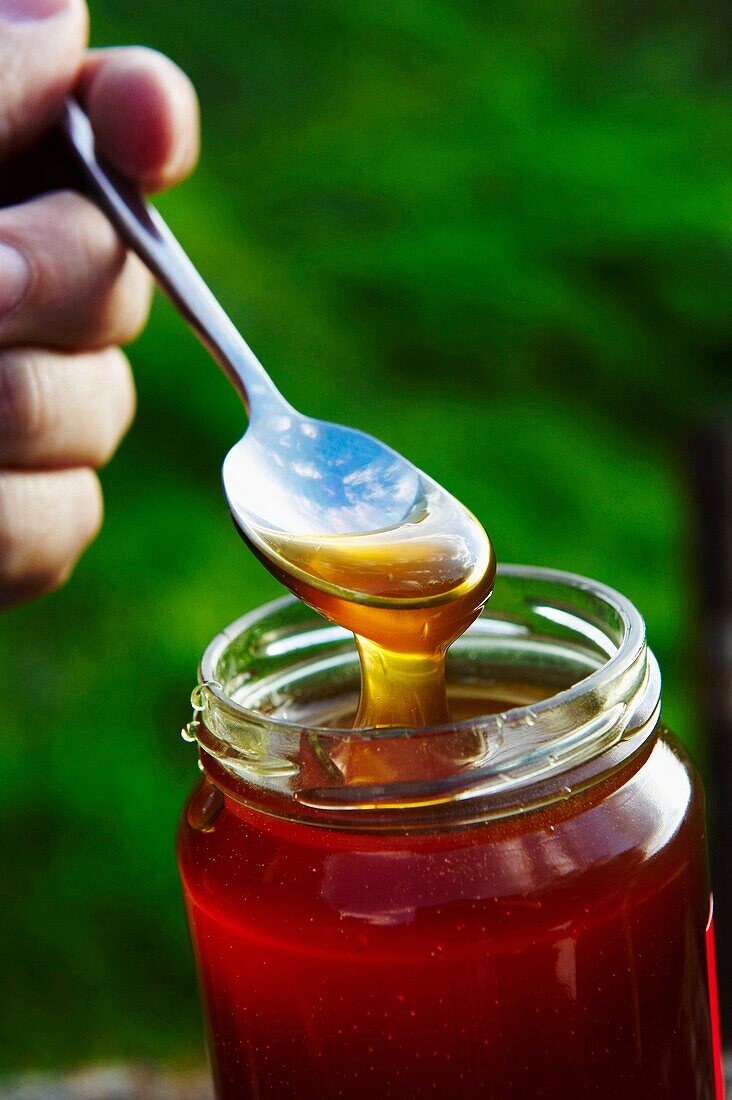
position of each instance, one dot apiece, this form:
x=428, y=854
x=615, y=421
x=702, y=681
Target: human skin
x=70, y=293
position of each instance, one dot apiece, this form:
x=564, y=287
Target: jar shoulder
x=628, y=835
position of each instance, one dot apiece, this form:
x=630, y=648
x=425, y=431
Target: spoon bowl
x=291, y=473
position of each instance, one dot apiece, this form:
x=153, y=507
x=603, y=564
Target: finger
x=63, y=410
x=144, y=112
x=46, y=521
x=41, y=49
x=65, y=278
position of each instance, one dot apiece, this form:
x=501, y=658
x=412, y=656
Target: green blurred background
x=496, y=235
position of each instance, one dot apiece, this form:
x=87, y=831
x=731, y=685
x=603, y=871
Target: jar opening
x=563, y=660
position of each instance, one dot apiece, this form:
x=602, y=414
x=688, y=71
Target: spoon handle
x=144, y=231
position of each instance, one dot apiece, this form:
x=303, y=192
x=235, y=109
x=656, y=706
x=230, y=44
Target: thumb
x=41, y=48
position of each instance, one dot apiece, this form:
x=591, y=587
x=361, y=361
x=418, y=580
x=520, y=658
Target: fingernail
x=30, y=11
x=15, y=275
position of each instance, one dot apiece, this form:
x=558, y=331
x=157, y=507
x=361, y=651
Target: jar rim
x=625, y=656
x=527, y=755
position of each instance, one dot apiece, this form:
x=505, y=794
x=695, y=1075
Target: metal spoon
x=289, y=473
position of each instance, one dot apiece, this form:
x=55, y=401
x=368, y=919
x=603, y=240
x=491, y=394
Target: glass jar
x=514, y=906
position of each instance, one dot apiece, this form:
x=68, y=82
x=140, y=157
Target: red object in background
x=714, y=1005
x=555, y=953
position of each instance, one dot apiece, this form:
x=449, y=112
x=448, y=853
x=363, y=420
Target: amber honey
x=405, y=592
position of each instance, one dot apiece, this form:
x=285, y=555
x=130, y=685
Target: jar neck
x=579, y=644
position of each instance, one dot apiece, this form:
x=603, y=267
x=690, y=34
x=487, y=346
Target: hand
x=69, y=291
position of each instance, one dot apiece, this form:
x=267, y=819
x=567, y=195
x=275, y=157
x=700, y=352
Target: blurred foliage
x=496, y=235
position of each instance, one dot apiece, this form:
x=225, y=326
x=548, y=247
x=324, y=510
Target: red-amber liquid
x=553, y=955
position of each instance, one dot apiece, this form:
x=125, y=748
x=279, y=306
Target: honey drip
x=406, y=593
